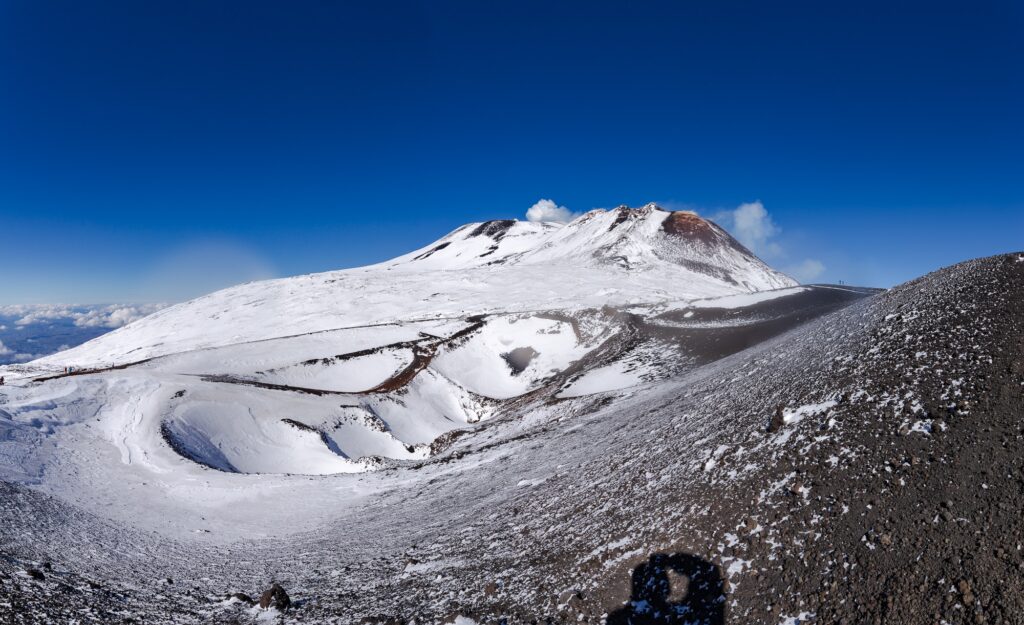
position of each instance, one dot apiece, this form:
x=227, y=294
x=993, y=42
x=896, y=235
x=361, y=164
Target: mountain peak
x=650, y=206
x=690, y=225
x=626, y=238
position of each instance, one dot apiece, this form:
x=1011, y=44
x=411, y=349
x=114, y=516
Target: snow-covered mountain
x=618, y=257
x=390, y=358
x=393, y=356
x=478, y=370
x=639, y=239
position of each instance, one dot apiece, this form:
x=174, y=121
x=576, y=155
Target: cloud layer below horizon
x=28, y=331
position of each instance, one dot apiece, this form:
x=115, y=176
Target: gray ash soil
x=708, y=334
x=889, y=492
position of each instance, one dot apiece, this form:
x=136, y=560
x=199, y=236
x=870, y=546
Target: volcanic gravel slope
x=865, y=467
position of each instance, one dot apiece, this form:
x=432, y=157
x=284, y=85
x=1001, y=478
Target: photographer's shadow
x=698, y=597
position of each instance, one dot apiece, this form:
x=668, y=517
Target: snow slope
x=348, y=371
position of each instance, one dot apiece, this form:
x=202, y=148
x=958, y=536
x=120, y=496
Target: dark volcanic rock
x=275, y=597
x=519, y=359
x=495, y=229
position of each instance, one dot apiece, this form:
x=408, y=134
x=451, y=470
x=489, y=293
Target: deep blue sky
x=152, y=150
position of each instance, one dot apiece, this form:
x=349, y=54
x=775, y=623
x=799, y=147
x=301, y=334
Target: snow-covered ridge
x=627, y=237
x=618, y=257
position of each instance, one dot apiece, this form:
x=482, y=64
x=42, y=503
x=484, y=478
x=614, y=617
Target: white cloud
x=807, y=270
x=38, y=314
x=751, y=224
x=114, y=316
x=547, y=210
x=111, y=316
x=45, y=324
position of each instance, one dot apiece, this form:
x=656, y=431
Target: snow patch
x=795, y=415
x=613, y=377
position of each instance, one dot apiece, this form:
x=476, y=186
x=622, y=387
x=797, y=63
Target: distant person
x=1, y=380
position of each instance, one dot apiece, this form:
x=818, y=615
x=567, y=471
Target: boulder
x=778, y=419
x=275, y=597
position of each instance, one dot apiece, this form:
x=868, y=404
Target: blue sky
x=155, y=150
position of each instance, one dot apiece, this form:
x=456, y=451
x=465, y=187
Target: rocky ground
x=865, y=467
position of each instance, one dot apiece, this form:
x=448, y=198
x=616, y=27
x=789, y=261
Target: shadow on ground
x=674, y=588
